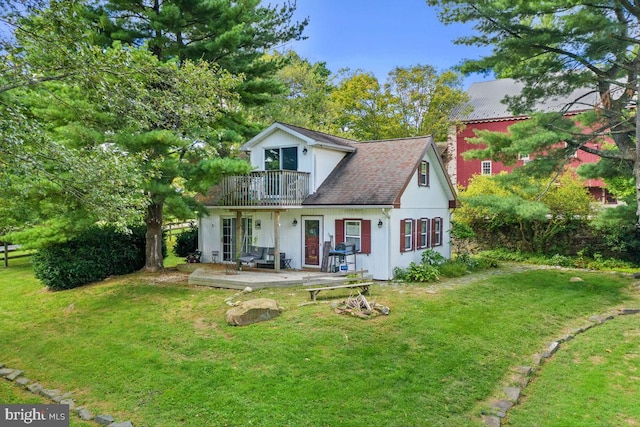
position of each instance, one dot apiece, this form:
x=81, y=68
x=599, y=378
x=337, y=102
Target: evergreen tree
x=235, y=35
x=185, y=119
x=556, y=47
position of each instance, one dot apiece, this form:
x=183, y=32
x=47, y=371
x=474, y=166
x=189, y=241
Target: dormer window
x=285, y=158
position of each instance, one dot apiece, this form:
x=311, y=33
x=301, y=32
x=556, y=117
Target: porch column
x=276, y=243
x=239, y=238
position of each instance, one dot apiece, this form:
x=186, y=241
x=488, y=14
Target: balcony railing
x=266, y=188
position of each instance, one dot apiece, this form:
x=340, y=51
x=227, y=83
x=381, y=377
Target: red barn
x=489, y=112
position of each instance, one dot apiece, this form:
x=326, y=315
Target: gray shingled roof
x=486, y=100
x=319, y=136
x=375, y=174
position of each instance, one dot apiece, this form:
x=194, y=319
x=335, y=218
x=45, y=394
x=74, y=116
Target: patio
x=216, y=275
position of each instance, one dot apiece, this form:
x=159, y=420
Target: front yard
x=159, y=353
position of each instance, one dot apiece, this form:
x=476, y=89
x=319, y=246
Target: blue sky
x=378, y=35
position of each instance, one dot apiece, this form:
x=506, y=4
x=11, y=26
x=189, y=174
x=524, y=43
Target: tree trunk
x=153, y=246
x=636, y=164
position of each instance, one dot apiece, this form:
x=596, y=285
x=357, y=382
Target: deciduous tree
x=415, y=100
x=306, y=99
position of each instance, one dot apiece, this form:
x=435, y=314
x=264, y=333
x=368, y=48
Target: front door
x=312, y=243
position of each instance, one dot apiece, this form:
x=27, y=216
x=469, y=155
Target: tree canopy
x=44, y=180
x=113, y=122
x=416, y=100
x=235, y=35
x=555, y=47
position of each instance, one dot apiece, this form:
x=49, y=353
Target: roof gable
x=376, y=173
x=310, y=137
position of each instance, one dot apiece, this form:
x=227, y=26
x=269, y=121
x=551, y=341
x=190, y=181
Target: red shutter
x=365, y=235
x=416, y=234
x=432, y=233
x=402, y=248
x=428, y=242
x=339, y=231
x=428, y=177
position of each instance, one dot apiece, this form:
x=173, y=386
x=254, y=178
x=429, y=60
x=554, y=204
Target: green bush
x=417, y=273
x=97, y=253
x=582, y=260
x=453, y=269
x=431, y=257
x=561, y=261
x=186, y=242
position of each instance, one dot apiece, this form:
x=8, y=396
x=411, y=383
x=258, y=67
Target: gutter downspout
x=385, y=213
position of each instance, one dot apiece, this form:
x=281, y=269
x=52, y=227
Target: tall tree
x=306, y=100
x=231, y=36
x=555, y=47
x=360, y=106
x=43, y=180
x=415, y=100
x=423, y=100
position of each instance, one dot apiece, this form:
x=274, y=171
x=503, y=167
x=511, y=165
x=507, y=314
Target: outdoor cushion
x=254, y=254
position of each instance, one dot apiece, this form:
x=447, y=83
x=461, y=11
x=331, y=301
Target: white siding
x=292, y=239
x=318, y=161
x=422, y=202
x=324, y=162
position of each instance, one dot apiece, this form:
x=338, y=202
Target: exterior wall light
x=379, y=223
x=295, y=222
x=304, y=150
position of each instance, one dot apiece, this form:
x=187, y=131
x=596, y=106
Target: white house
x=309, y=191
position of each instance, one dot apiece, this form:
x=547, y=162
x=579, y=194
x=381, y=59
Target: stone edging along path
x=523, y=374
x=57, y=396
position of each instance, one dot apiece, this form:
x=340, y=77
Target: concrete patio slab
x=258, y=278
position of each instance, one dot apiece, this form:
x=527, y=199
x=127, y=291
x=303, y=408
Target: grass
x=161, y=354
x=591, y=382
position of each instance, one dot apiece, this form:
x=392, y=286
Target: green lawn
x=160, y=353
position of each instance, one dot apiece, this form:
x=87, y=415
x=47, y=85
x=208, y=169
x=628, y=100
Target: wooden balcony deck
x=265, y=188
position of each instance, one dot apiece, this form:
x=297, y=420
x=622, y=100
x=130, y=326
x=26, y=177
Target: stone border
x=17, y=377
x=523, y=374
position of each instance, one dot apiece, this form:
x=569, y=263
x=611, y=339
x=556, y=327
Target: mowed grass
x=593, y=381
x=161, y=354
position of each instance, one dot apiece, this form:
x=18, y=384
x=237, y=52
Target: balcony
x=265, y=188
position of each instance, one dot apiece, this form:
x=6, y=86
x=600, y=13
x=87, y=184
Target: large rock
x=253, y=311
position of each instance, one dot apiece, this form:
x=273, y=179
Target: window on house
x=285, y=158
x=406, y=234
x=575, y=153
x=523, y=156
x=423, y=174
x=352, y=234
x=355, y=232
x=423, y=239
x=486, y=167
x=436, y=232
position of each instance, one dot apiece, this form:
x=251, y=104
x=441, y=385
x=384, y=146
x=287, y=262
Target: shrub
x=431, y=257
x=453, y=269
x=417, y=273
x=561, y=261
x=95, y=254
x=186, y=242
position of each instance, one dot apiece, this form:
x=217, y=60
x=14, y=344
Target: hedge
x=97, y=253
x=186, y=242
